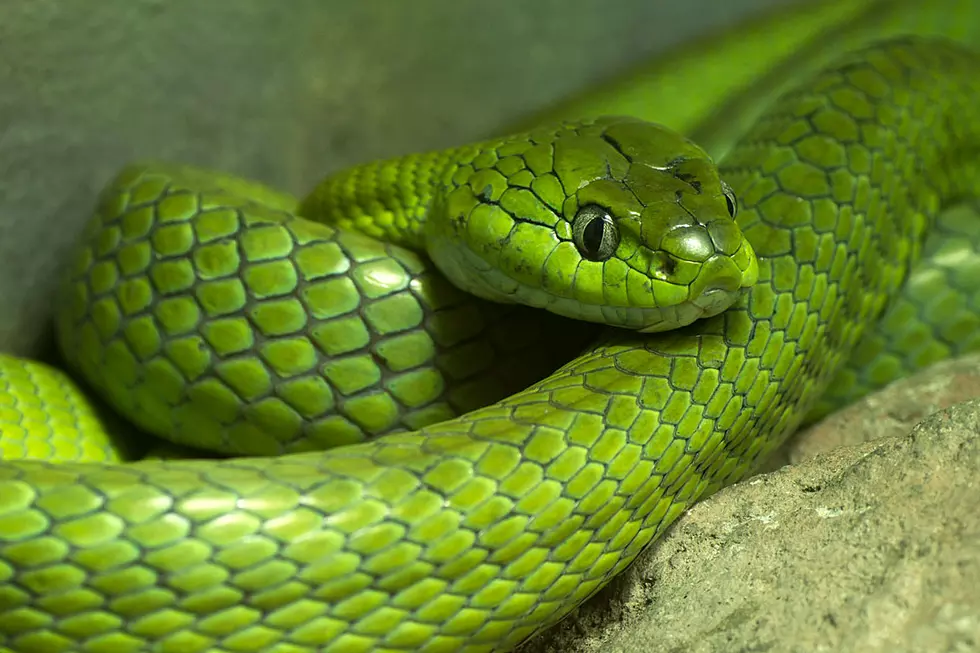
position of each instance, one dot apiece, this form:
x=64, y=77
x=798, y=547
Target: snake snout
x=717, y=296
x=730, y=281
x=719, y=273
x=718, y=285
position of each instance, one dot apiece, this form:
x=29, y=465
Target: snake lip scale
x=709, y=303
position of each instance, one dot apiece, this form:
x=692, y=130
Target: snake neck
x=388, y=199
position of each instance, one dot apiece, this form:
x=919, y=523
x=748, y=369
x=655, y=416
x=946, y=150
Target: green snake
x=479, y=494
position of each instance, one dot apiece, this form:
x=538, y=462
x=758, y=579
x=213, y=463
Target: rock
x=869, y=542
x=891, y=412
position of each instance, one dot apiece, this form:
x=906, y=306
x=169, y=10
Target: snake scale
x=462, y=513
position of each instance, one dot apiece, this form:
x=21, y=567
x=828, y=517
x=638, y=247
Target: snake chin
x=708, y=304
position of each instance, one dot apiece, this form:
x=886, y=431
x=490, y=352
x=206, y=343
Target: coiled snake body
x=202, y=310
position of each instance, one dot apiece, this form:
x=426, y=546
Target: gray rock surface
x=868, y=543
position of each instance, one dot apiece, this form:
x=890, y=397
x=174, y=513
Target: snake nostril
x=663, y=266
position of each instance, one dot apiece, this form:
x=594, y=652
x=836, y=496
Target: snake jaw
x=720, y=284
x=717, y=287
x=715, y=300
x=709, y=304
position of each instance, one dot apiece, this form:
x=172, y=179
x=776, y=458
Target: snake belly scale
x=473, y=533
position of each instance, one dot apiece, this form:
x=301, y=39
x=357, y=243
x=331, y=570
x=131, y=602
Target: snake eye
x=594, y=232
x=730, y=199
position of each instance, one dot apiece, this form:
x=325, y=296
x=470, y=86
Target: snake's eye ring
x=730, y=199
x=594, y=232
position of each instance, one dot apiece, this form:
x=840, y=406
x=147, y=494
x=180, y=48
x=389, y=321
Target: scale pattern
x=474, y=533
x=44, y=415
x=228, y=324
x=936, y=316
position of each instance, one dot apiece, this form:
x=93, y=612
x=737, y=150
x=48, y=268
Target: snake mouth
x=714, y=298
x=708, y=304
x=647, y=319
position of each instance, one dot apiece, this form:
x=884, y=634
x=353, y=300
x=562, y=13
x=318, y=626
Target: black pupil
x=731, y=205
x=592, y=234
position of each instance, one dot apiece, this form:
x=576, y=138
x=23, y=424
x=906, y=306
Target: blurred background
x=282, y=95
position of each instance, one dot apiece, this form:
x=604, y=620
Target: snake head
x=614, y=220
